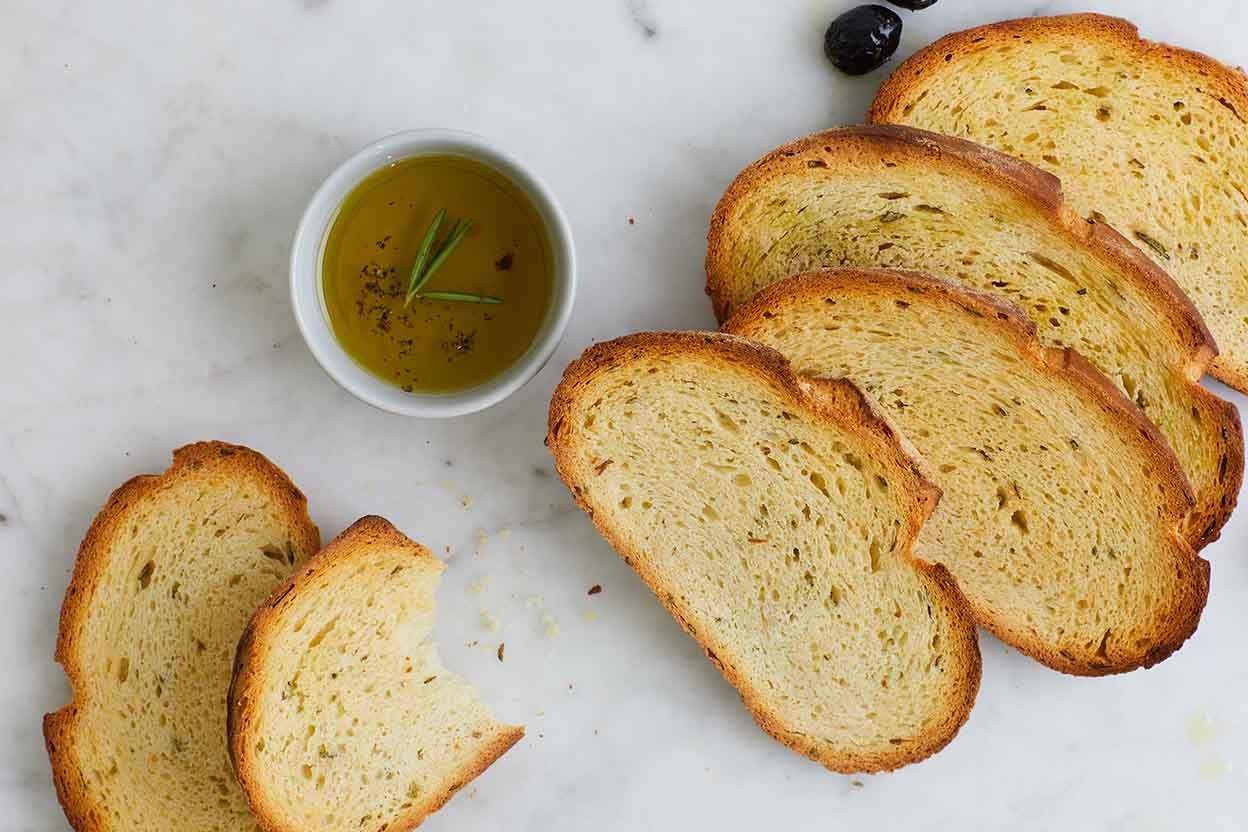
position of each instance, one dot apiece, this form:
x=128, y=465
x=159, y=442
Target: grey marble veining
x=155, y=160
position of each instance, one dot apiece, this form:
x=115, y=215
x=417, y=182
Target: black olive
x=913, y=5
x=862, y=38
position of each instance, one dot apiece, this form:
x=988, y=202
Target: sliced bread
x=341, y=713
x=1062, y=505
x=901, y=198
x=1145, y=136
x=166, y=579
x=774, y=517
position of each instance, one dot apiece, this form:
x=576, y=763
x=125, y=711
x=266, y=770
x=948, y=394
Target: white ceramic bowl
x=308, y=297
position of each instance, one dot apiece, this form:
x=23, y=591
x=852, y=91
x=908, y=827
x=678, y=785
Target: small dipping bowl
x=307, y=285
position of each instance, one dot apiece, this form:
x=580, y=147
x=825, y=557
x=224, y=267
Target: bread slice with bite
x=167, y=576
x=774, y=517
x=896, y=197
x=341, y=714
x=1062, y=507
x=1145, y=136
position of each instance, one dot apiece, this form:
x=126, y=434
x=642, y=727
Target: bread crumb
x=595, y=589
x=632, y=220
x=465, y=501
x=541, y=712
x=501, y=648
x=857, y=784
x=590, y=616
x=489, y=622
x=550, y=627
x=504, y=534
x=534, y=602
x=478, y=586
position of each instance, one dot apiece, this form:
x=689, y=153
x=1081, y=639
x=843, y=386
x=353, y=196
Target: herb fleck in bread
x=902, y=198
x=166, y=579
x=774, y=518
x=1145, y=136
x=341, y=713
x=1062, y=505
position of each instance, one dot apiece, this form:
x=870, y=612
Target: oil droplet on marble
x=1201, y=729
x=1214, y=767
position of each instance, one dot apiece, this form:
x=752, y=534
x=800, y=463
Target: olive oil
x=436, y=346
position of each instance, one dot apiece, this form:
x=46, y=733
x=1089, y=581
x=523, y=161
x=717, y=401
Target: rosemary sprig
x=462, y=297
x=424, y=266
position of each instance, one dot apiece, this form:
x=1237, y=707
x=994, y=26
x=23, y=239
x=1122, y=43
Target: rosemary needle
x=424, y=266
x=419, y=275
x=461, y=297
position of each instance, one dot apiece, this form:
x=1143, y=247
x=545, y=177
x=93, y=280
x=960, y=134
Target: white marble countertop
x=155, y=157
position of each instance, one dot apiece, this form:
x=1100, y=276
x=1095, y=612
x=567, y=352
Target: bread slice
x=1062, y=505
x=902, y=198
x=1145, y=136
x=166, y=578
x=774, y=517
x=341, y=713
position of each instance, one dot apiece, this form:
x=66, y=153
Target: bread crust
x=60, y=727
x=248, y=678
x=1044, y=191
x=836, y=402
x=1229, y=85
x=1083, y=379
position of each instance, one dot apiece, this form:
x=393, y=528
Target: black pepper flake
x=503, y=263
x=463, y=341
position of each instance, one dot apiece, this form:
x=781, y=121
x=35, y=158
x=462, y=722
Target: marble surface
x=155, y=157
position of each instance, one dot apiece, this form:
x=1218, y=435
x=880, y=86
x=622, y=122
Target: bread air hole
x=273, y=553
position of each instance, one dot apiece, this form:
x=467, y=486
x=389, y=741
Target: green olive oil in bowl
x=483, y=281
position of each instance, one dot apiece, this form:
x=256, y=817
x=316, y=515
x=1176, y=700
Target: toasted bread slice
x=774, y=518
x=1062, y=507
x=166, y=579
x=341, y=713
x=1145, y=136
x=901, y=198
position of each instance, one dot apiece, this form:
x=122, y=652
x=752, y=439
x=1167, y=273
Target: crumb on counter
x=501, y=648
x=534, y=602
x=595, y=589
x=478, y=586
x=504, y=534
x=465, y=501
x=489, y=622
x=590, y=616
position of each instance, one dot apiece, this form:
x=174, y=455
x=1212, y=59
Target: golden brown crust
x=247, y=682
x=836, y=402
x=1043, y=191
x=1224, y=83
x=59, y=728
x=1083, y=379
